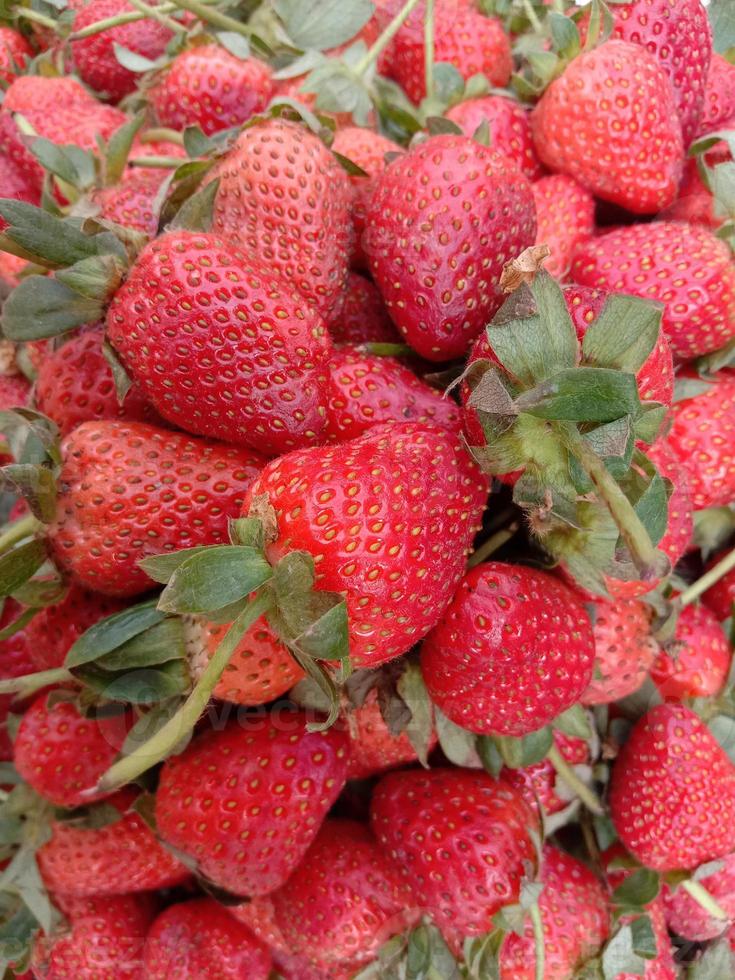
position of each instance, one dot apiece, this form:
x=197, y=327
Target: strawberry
x=389, y=519
x=587, y=125
x=701, y=439
x=75, y=385
x=718, y=109
x=15, y=661
x=366, y=390
x=720, y=596
x=373, y=748
x=688, y=919
x=206, y=86
x=565, y=212
x=128, y=490
x=15, y=52
x=14, y=393
x=220, y=346
x=575, y=916
x=682, y=266
x=259, y=915
x=62, y=754
x=672, y=796
x=134, y=201
x=362, y=318
x=437, y=249
x=539, y=784
x=695, y=203
x=11, y=265
x=514, y=650
x=94, y=57
x=624, y=649
x=261, y=668
x=119, y=857
x=510, y=129
x=306, y=243
x=695, y=664
x=462, y=841
x=246, y=802
x=199, y=940
x=344, y=900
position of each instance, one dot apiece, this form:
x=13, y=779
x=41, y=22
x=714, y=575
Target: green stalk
x=214, y=17
x=429, y=48
x=36, y=17
x=155, y=13
x=569, y=776
x=385, y=38
x=162, y=744
x=161, y=133
x=24, y=527
x=30, y=683
x=99, y=26
x=718, y=571
x=162, y=163
x=492, y=544
x=703, y=898
x=538, y=940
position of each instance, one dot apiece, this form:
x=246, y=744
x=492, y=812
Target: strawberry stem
x=28, y=684
x=718, y=571
x=24, y=527
x=161, y=133
x=569, y=776
x=128, y=17
x=164, y=742
x=385, y=38
x=162, y=163
x=531, y=15
x=155, y=13
x=703, y=898
x=214, y=17
x=36, y=17
x=492, y=544
x=538, y=940
x=429, y=48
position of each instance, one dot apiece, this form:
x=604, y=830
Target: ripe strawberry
x=565, y=212
x=373, y=748
x=94, y=57
x=15, y=661
x=678, y=536
x=682, y=266
x=199, y=940
x=129, y=490
x=575, y=915
x=695, y=203
x=14, y=392
x=587, y=125
x=701, y=439
x=206, y=86
x=62, y=754
x=624, y=649
x=697, y=661
x=220, y=346
x=134, y=201
x=246, y=802
x=510, y=129
x=719, y=597
x=259, y=915
x=688, y=919
x=10, y=265
x=718, y=108
x=672, y=796
x=437, y=248
x=344, y=900
x=514, y=650
x=362, y=318
x=389, y=518
x=75, y=385
x=539, y=784
x=260, y=670
x=306, y=242
x=15, y=52
x=462, y=841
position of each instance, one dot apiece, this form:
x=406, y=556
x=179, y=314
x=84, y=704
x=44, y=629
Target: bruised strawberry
x=696, y=662
x=719, y=597
x=373, y=747
x=509, y=125
x=686, y=917
x=539, y=784
x=565, y=212
x=624, y=649
x=362, y=318
x=133, y=201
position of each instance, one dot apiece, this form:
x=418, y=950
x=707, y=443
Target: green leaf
x=324, y=681
x=428, y=957
x=619, y=955
x=33, y=438
x=448, y=83
x=118, y=148
x=420, y=728
x=582, y=395
x=132, y=60
x=613, y=442
x=196, y=213
x=517, y=753
x=574, y=722
x=113, y=632
x=58, y=241
x=147, y=686
x=196, y=143
x=482, y=955
x=18, y=565
x=624, y=334
x=162, y=567
x=489, y=753
x=564, y=34
x=215, y=578
x=97, y=278
x=439, y=125
x=236, y=44
x=36, y=484
x=723, y=729
x=647, y=427
x=69, y=163
x=123, y=381
x=457, y=744
x=652, y=507
x=248, y=531
x=644, y=938
x=349, y=166
x=323, y=24
x=41, y=307
x=638, y=890
x=156, y=645
x=717, y=962
x=722, y=19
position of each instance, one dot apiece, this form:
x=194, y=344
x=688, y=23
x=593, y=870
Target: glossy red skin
x=200, y=940
x=373, y=748
x=697, y=661
x=206, y=86
x=720, y=597
x=121, y=857
x=363, y=318
x=461, y=840
x=681, y=265
x=442, y=222
x=565, y=212
x=220, y=346
x=116, y=480
x=75, y=385
x=345, y=899
x=94, y=57
x=719, y=97
x=587, y=125
x=513, y=650
x=389, y=518
x=509, y=125
x=672, y=795
x=132, y=201
x=15, y=52
x=307, y=243
x=575, y=914
x=688, y=919
x=538, y=784
x=624, y=649
x=701, y=437
x=273, y=781
x=15, y=661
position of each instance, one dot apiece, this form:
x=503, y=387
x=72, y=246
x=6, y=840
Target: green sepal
x=349, y=166
x=215, y=578
x=118, y=148
x=564, y=35
x=76, y=167
x=19, y=623
x=113, y=632
x=716, y=962
x=96, y=278
x=489, y=753
x=624, y=951
x=18, y=565
x=145, y=686
x=122, y=380
x=159, y=644
x=457, y=744
x=162, y=567
x=58, y=241
x=35, y=483
x=322, y=24
x=650, y=422
x=322, y=678
x=41, y=307
x=574, y=722
x=582, y=395
x=482, y=955
x=614, y=442
x=197, y=212
x=338, y=89
x=518, y=753
x=428, y=957
x=248, y=531
x=31, y=436
x=420, y=727
x=639, y=889
x=440, y=125
x=185, y=181
x=624, y=334
x=649, y=493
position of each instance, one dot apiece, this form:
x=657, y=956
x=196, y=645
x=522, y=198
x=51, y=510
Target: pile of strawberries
x=367, y=419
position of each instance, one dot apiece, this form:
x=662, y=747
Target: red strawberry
x=261, y=668
x=10, y=265
x=575, y=915
x=443, y=220
x=701, y=439
x=129, y=490
x=539, y=784
x=718, y=108
x=14, y=392
x=695, y=203
x=200, y=940
x=373, y=748
x=206, y=86
x=672, y=796
x=389, y=519
x=624, y=649
x=15, y=661
x=514, y=650
x=566, y=217
x=75, y=385
x=15, y=52
x=510, y=129
x=720, y=596
x=462, y=841
x=247, y=801
x=133, y=201
x=682, y=266
x=697, y=661
x=678, y=536
x=94, y=57
x=344, y=900
x=587, y=125
x=306, y=241
x=117, y=858
x=363, y=318
x=688, y=919
x=220, y=346
x=259, y=915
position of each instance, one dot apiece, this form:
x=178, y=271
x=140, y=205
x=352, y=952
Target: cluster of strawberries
x=367, y=407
